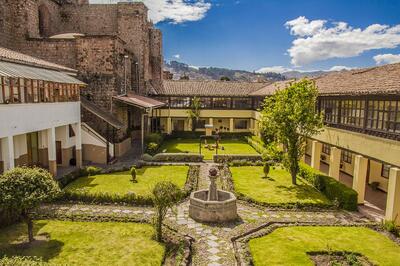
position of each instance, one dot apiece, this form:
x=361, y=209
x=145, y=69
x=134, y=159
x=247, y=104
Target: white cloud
x=273, y=69
x=177, y=56
x=340, y=68
x=387, y=58
x=315, y=40
x=176, y=11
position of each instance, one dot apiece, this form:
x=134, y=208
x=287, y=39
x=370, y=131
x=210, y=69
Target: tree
x=291, y=116
x=225, y=78
x=23, y=189
x=194, y=112
x=165, y=195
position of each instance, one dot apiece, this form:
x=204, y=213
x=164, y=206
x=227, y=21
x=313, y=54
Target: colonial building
x=40, y=122
x=114, y=47
x=360, y=144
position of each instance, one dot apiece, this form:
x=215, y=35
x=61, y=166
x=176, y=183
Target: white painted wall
x=17, y=119
x=20, y=147
x=91, y=137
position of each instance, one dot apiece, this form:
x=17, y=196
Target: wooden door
x=179, y=125
x=58, y=152
x=32, y=140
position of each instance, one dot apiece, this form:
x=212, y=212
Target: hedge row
x=129, y=198
x=197, y=134
x=332, y=189
x=173, y=157
x=258, y=146
x=226, y=158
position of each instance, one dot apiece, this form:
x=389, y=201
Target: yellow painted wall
x=375, y=171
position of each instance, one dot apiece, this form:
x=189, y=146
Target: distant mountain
x=214, y=73
x=298, y=74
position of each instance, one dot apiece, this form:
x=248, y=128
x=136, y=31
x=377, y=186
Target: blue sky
x=251, y=34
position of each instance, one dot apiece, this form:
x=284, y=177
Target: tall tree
x=194, y=112
x=23, y=189
x=291, y=116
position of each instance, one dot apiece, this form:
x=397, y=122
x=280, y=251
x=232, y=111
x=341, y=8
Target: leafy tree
x=225, y=78
x=290, y=114
x=165, y=195
x=194, y=112
x=23, y=189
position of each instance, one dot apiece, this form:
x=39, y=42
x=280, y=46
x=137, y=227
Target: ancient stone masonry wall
x=89, y=19
x=156, y=58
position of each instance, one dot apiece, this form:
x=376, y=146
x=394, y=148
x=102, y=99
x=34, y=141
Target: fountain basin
x=202, y=210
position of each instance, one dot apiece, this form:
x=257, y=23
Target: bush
x=152, y=148
x=93, y=170
x=178, y=157
x=391, y=227
x=245, y=163
x=226, y=158
x=154, y=138
x=133, y=174
x=147, y=157
x=332, y=189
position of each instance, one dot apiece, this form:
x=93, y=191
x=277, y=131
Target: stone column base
x=53, y=168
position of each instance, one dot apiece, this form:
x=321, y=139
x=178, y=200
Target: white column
x=231, y=125
x=316, y=154
x=334, y=163
x=7, y=152
x=78, y=144
x=51, y=148
x=360, y=177
x=393, y=196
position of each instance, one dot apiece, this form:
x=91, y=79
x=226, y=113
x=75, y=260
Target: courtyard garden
x=120, y=183
x=84, y=243
x=275, y=190
x=226, y=146
x=296, y=245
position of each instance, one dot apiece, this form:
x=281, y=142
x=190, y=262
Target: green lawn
x=85, y=243
x=120, y=182
x=277, y=189
x=289, y=245
x=192, y=146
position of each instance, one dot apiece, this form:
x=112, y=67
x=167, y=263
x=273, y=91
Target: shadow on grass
x=300, y=191
x=16, y=243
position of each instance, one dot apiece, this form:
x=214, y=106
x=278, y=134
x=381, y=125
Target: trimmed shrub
x=155, y=138
x=266, y=169
x=226, y=158
x=245, y=163
x=93, y=170
x=133, y=174
x=152, y=148
x=332, y=189
x=178, y=157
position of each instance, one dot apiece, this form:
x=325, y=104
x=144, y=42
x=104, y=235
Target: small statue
x=212, y=191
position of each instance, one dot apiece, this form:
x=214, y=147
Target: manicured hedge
x=197, y=134
x=177, y=157
x=332, y=189
x=226, y=158
x=258, y=146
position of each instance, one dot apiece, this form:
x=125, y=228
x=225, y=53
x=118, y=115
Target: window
x=384, y=115
x=326, y=149
x=241, y=124
x=44, y=20
x=201, y=123
x=258, y=103
x=242, y=103
x=179, y=102
x=352, y=112
x=347, y=157
x=330, y=108
x=205, y=102
x=385, y=170
x=222, y=103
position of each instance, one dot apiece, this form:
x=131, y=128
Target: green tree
x=225, y=78
x=194, y=112
x=291, y=116
x=23, y=189
x=165, y=195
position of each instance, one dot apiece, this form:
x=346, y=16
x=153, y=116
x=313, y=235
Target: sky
x=278, y=35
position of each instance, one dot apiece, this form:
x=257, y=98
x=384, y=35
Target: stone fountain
x=212, y=205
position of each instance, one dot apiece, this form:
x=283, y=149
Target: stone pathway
x=212, y=242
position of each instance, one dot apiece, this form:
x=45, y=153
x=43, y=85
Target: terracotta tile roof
x=376, y=80
x=140, y=101
x=209, y=88
x=15, y=57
